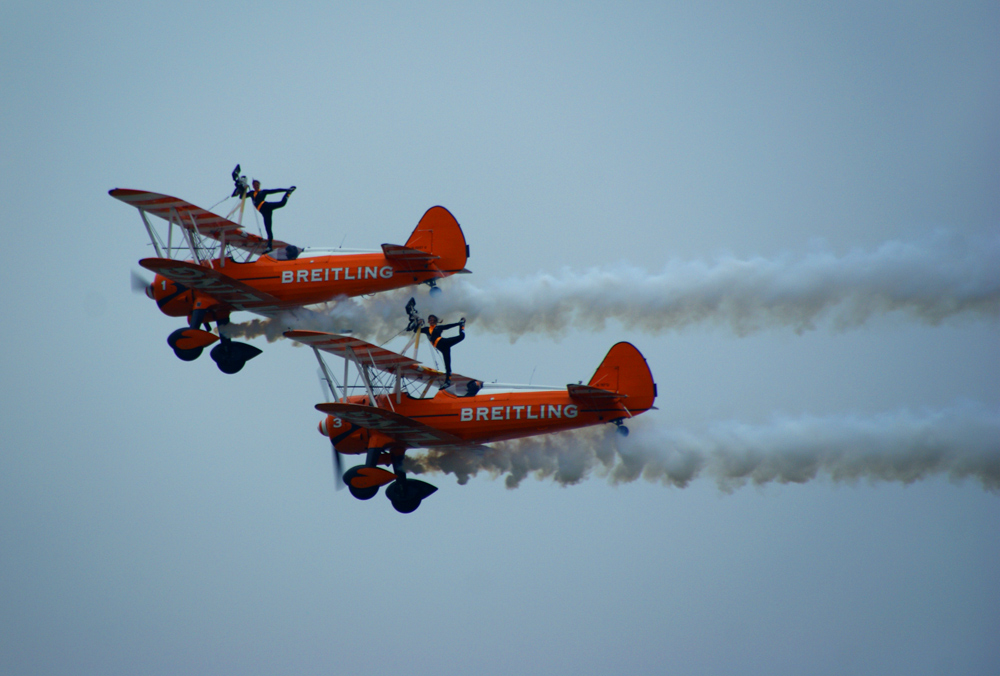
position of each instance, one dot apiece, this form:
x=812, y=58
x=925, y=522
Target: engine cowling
x=346, y=437
x=173, y=299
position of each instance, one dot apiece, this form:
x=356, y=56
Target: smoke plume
x=928, y=281
x=961, y=442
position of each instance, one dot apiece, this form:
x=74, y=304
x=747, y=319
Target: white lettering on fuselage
x=323, y=274
x=504, y=412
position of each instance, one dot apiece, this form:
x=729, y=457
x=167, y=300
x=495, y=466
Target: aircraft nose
x=149, y=291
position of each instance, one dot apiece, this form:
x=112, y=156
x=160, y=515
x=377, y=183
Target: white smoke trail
x=962, y=441
x=930, y=281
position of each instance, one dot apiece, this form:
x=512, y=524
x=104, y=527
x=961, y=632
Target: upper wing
x=193, y=218
x=405, y=430
x=378, y=357
x=354, y=349
x=212, y=282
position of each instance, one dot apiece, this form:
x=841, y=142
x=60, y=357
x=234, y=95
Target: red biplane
x=395, y=413
x=214, y=268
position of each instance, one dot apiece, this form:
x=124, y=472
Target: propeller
x=139, y=283
x=338, y=467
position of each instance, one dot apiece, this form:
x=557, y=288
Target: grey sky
x=160, y=517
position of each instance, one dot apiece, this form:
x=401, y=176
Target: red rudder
x=624, y=370
x=440, y=234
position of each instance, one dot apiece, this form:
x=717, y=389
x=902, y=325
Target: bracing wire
x=219, y=202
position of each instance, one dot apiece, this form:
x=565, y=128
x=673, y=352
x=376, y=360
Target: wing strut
x=201, y=237
x=187, y=235
x=149, y=229
x=364, y=373
x=326, y=374
x=372, y=360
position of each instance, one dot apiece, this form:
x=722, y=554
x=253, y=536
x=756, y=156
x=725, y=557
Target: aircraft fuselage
x=478, y=419
x=303, y=281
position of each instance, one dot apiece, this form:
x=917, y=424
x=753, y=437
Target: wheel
x=406, y=495
x=366, y=493
x=622, y=430
x=226, y=359
x=363, y=493
x=434, y=291
x=230, y=366
x=188, y=355
x=230, y=356
x=406, y=506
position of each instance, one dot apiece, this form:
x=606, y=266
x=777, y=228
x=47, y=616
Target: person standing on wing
x=433, y=331
x=265, y=208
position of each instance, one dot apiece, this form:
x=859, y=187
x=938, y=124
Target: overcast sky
x=792, y=211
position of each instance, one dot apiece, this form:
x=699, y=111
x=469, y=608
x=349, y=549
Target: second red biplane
x=395, y=413
x=215, y=268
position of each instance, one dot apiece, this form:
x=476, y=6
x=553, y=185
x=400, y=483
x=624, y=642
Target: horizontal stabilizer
x=588, y=393
x=396, y=252
x=406, y=431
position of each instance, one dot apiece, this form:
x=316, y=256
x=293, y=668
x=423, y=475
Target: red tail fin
x=440, y=234
x=624, y=370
